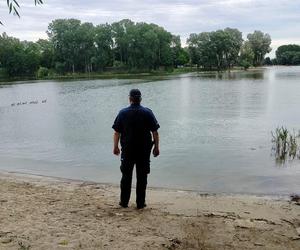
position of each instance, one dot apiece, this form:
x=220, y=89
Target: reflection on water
x=215, y=129
x=234, y=75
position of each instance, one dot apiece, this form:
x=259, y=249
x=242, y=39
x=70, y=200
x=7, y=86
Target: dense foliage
x=18, y=58
x=223, y=49
x=75, y=47
x=260, y=45
x=288, y=54
x=85, y=47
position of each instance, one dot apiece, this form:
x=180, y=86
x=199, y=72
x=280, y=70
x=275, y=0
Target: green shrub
x=3, y=73
x=60, y=68
x=42, y=72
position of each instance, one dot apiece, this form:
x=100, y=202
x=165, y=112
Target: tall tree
x=199, y=46
x=121, y=34
x=180, y=55
x=141, y=45
x=65, y=36
x=85, y=38
x=46, y=51
x=260, y=45
x=234, y=44
x=103, y=41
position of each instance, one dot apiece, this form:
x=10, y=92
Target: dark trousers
x=142, y=171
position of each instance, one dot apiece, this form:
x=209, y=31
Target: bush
x=245, y=64
x=118, y=64
x=60, y=68
x=3, y=73
x=42, y=72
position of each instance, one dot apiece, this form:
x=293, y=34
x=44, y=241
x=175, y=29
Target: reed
x=285, y=144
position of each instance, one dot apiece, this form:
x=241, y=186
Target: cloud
x=278, y=18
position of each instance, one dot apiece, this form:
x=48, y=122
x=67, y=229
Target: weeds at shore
x=285, y=144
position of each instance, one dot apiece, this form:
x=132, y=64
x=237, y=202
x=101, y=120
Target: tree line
x=288, y=55
x=75, y=47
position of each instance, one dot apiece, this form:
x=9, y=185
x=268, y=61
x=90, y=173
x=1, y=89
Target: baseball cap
x=135, y=93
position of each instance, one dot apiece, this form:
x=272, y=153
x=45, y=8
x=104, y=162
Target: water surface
x=215, y=129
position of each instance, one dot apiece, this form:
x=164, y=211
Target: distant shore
x=52, y=213
x=121, y=75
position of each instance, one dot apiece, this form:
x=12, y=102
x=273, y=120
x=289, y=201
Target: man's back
x=135, y=124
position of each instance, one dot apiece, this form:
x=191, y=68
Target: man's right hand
x=155, y=151
x=116, y=151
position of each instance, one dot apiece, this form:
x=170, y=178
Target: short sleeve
x=117, y=126
x=154, y=126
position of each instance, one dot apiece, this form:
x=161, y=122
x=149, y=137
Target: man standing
x=133, y=127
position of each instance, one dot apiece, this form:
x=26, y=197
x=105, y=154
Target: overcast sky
x=279, y=18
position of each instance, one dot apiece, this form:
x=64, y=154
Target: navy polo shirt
x=135, y=124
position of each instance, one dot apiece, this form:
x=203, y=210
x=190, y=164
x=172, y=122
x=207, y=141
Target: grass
x=285, y=144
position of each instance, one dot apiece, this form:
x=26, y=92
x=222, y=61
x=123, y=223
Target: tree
x=260, y=45
x=65, y=35
x=217, y=49
x=180, y=56
x=85, y=39
x=246, y=55
x=164, y=53
x=103, y=41
x=200, y=50
x=121, y=34
x=141, y=45
x=288, y=54
x=46, y=51
x=18, y=58
x=268, y=61
x=234, y=44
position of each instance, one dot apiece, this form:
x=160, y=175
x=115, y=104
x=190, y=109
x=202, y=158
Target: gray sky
x=279, y=18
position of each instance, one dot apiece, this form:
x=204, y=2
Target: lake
x=215, y=129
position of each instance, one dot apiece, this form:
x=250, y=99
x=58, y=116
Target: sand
x=51, y=213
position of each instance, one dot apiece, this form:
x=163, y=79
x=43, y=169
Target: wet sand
x=51, y=213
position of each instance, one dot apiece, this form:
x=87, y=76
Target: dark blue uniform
x=135, y=124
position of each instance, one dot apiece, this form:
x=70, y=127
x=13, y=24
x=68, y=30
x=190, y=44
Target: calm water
x=215, y=129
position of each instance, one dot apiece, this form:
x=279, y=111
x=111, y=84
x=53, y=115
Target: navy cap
x=135, y=93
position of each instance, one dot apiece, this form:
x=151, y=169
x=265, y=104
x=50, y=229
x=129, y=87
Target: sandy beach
x=51, y=213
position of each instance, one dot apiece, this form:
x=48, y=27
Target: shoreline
x=126, y=75
x=39, y=212
x=272, y=196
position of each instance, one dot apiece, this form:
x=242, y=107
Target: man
x=133, y=127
